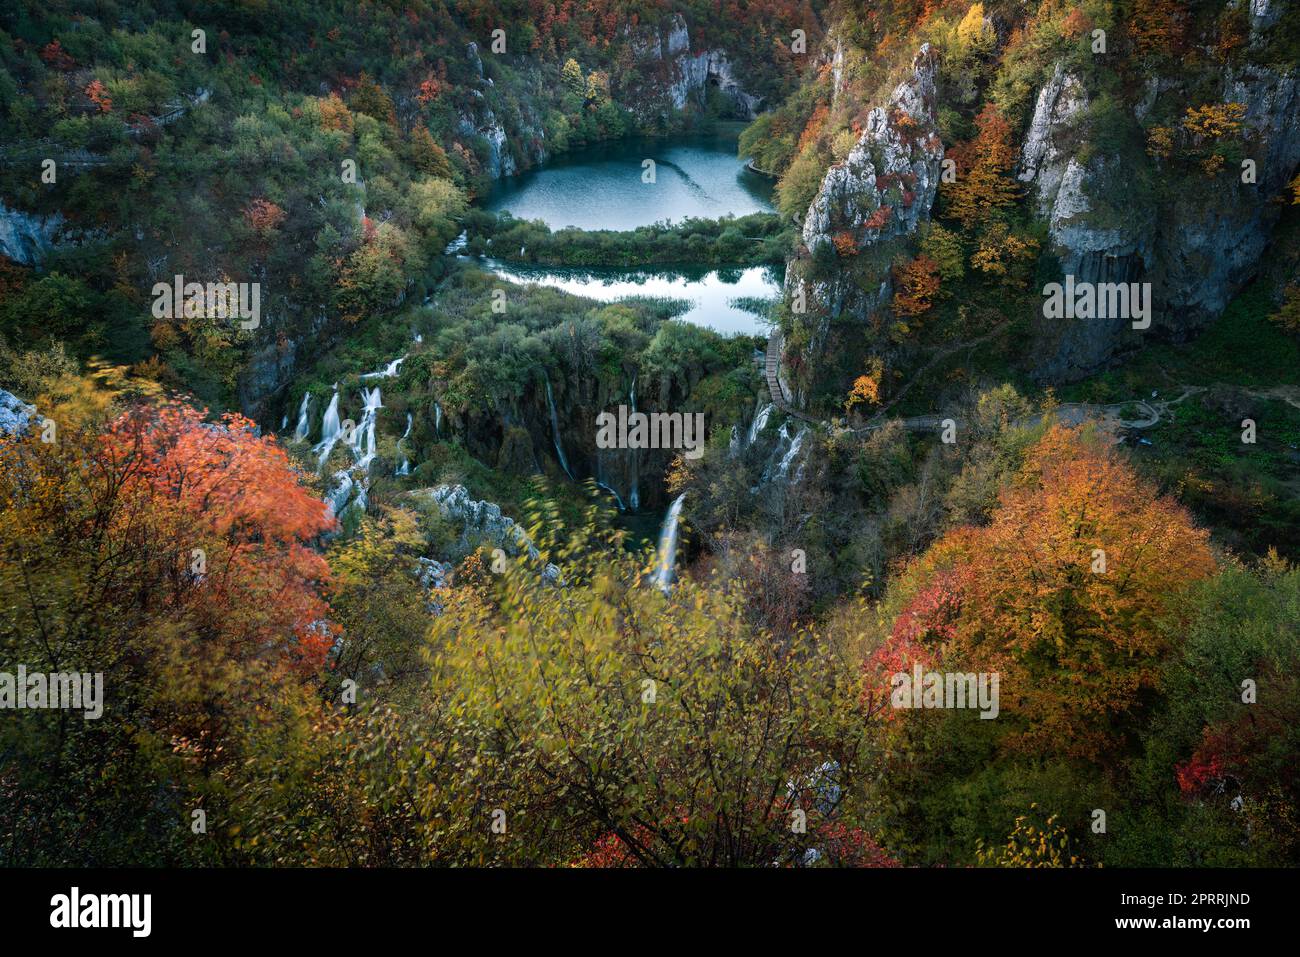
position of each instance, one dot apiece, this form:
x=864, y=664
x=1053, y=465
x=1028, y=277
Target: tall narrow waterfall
x=760, y=420
x=555, y=430
x=303, y=427
x=405, y=467
x=363, y=436
x=634, y=495
x=663, y=574
x=329, y=431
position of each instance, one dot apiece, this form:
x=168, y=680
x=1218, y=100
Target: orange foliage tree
x=98, y=94
x=866, y=388
x=263, y=215
x=988, y=188
x=169, y=524
x=1061, y=594
x=918, y=284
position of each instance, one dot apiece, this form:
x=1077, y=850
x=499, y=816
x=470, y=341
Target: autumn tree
x=370, y=98
x=988, y=189
x=571, y=75
x=427, y=156
x=1287, y=315
x=334, y=114
x=974, y=32
x=171, y=554
x=581, y=707
x=263, y=216
x=375, y=598
x=1065, y=594
x=867, y=387
x=916, y=286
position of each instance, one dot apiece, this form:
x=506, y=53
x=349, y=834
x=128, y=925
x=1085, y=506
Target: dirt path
x=1151, y=411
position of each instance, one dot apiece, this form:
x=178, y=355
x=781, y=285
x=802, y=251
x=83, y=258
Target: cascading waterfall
x=778, y=470
x=760, y=421
x=387, y=371
x=457, y=244
x=363, y=436
x=437, y=419
x=329, y=431
x=304, y=426
x=339, y=492
x=405, y=467
x=663, y=574
x=555, y=429
x=634, y=496
x=784, y=468
x=361, y=440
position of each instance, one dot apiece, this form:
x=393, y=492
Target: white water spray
x=555, y=430
x=663, y=574
x=303, y=427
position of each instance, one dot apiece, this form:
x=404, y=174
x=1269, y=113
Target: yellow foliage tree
x=866, y=387
x=974, y=32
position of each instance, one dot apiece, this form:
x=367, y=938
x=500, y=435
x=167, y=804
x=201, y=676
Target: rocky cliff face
x=881, y=192
x=27, y=237
x=886, y=184
x=1197, y=249
x=680, y=76
x=479, y=119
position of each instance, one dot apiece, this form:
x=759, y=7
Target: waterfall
x=387, y=371
x=329, y=431
x=284, y=423
x=457, y=244
x=329, y=427
x=304, y=427
x=405, y=467
x=759, y=422
x=555, y=429
x=663, y=573
x=437, y=419
x=338, y=494
x=363, y=436
x=617, y=498
x=371, y=403
x=634, y=496
x=362, y=443
x=784, y=467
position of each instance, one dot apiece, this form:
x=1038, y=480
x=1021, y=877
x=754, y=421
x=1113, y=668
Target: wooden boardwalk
x=772, y=372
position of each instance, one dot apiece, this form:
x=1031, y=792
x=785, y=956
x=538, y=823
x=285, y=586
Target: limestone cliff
x=1196, y=246
x=880, y=193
